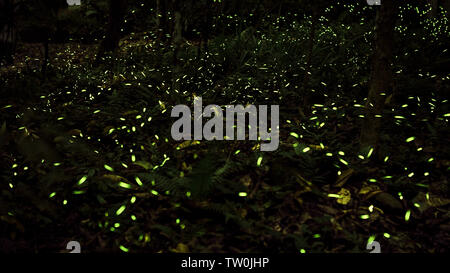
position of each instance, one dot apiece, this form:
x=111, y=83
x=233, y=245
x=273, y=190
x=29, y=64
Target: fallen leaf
x=74, y=132
x=115, y=178
x=388, y=201
x=187, y=143
x=344, y=197
x=181, y=248
x=369, y=189
x=342, y=179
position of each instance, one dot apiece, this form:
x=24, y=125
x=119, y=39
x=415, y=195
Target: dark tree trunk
x=116, y=15
x=434, y=8
x=45, y=61
x=446, y=5
x=311, y=42
x=162, y=23
x=205, y=29
x=177, y=29
x=177, y=41
x=8, y=37
x=312, y=35
x=381, y=74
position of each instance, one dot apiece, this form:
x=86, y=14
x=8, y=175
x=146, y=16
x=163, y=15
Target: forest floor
x=86, y=155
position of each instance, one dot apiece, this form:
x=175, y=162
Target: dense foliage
x=86, y=152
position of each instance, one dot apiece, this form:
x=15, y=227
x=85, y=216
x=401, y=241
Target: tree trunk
x=446, y=5
x=158, y=12
x=177, y=41
x=8, y=37
x=434, y=8
x=177, y=29
x=381, y=74
x=205, y=30
x=45, y=61
x=311, y=42
x=116, y=14
x=161, y=21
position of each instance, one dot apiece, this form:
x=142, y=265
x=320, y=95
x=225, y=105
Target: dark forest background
x=86, y=154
